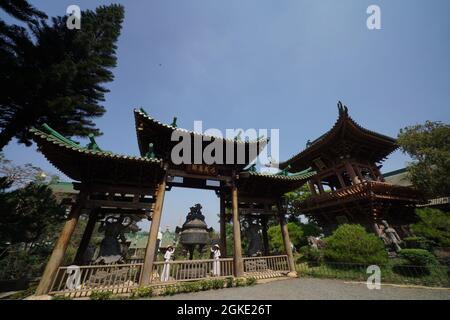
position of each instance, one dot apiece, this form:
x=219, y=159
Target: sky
x=269, y=64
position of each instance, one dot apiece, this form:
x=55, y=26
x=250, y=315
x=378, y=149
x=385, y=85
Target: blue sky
x=270, y=64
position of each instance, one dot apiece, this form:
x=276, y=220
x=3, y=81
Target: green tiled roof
x=306, y=174
x=59, y=140
x=62, y=187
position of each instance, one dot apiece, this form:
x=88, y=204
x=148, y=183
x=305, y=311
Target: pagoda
x=348, y=186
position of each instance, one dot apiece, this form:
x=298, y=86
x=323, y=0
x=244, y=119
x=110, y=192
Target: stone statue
x=316, y=242
x=110, y=248
x=390, y=237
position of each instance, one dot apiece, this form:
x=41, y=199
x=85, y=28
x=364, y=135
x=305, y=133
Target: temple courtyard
x=312, y=289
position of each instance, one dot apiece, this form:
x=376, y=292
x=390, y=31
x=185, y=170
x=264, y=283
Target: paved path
x=300, y=289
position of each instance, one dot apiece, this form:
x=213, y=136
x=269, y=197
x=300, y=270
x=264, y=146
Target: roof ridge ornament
x=174, y=122
x=343, y=110
x=151, y=151
x=93, y=144
x=143, y=111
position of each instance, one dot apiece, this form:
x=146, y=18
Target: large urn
x=194, y=232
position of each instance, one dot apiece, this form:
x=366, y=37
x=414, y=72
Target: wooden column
x=87, y=235
x=319, y=184
x=351, y=172
x=223, y=228
x=237, y=249
x=285, y=235
x=150, y=251
x=341, y=180
x=60, y=248
x=264, y=234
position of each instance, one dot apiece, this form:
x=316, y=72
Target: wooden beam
x=87, y=235
x=184, y=174
x=60, y=248
x=150, y=252
x=237, y=249
x=264, y=235
x=223, y=229
x=285, y=236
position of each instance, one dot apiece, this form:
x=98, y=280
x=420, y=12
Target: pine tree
x=51, y=74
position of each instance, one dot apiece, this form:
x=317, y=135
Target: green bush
x=433, y=225
x=229, y=282
x=144, y=292
x=205, y=285
x=101, y=295
x=217, y=283
x=250, y=281
x=240, y=282
x=311, y=255
x=352, y=244
x=169, y=291
x=417, y=243
x=418, y=257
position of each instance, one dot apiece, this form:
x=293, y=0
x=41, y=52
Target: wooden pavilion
x=348, y=186
x=111, y=183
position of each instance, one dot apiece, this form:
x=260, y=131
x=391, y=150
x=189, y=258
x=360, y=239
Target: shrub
x=144, y=292
x=101, y=295
x=417, y=243
x=169, y=291
x=239, y=282
x=250, y=281
x=205, y=285
x=434, y=225
x=311, y=255
x=217, y=283
x=229, y=282
x=352, y=244
x=418, y=257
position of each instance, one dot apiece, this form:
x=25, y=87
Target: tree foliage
x=434, y=225
x=54, y=75
x=298, y=234
x=429, y=146
x=353, y=244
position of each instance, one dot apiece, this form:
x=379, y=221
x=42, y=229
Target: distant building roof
x=137, y=240
x=169, y=238
x=398, y=177
x=62, y=187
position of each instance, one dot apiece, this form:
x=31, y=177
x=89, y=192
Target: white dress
x=216, y=263
x=166, y=270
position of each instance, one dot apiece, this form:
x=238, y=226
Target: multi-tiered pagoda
x=348, y=186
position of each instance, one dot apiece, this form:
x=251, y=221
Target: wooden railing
x=266, y=264
x=363, y=190
x=188, y=270
x=121, y=278
x=85, y=279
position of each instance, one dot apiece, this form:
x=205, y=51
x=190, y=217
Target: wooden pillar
x=264, y=235
x=358, y=172
x=223, y=228
x=60, y=248
x=351, y=172
x=285, y=235
x=150, y=251
x=341, y=180
x=319, y=184
x=87, y=235
x=312, y=188
x=237, y=249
